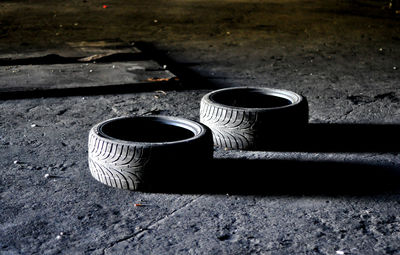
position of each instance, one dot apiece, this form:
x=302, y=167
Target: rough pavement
x=346, y=64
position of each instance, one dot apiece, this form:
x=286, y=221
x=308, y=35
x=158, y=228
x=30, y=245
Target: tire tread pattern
x=117, y=165
x=231, y=128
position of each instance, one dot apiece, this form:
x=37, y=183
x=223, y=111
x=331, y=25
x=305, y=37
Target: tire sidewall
x=269, y=125
x=164, y=161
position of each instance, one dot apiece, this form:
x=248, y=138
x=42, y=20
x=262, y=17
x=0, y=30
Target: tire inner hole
x=145, y=130
x=250, y=99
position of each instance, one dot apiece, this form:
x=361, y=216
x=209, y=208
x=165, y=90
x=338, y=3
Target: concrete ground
x=336, y=192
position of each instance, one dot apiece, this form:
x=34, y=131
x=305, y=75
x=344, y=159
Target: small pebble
x=47, y=176
x=58, y=237
x=16, y=162
x=395, y=68
x=155, y=21
x=90, y=70
x=340, y=252
x=164, y=66
x=33, y=125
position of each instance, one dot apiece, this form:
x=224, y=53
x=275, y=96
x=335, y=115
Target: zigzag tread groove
x=116, y=165
x=231, y=128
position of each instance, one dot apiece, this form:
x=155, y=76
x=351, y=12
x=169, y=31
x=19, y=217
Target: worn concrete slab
x=80, y=68
x=83, y=51
x=49, y=136
x=26, y=78
x=318, y=199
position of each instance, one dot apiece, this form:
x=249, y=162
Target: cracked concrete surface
x=150, y=227
x=336, y=192
x=96, y=219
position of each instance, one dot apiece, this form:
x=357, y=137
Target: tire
x=253, y=118
x=141, y=153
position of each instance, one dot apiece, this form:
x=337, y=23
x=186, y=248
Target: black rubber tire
x=248, y=118
x=139, y=153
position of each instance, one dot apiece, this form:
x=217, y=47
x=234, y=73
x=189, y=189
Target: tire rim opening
x=251, y=98
x=150, y=130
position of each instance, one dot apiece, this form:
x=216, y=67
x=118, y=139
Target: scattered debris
x=161, y=91
x=49, y=176
x=59, y=236
x=153, y=111
x=162, y=79
x=135, y=67
x=158, y=79
x=94, y=57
